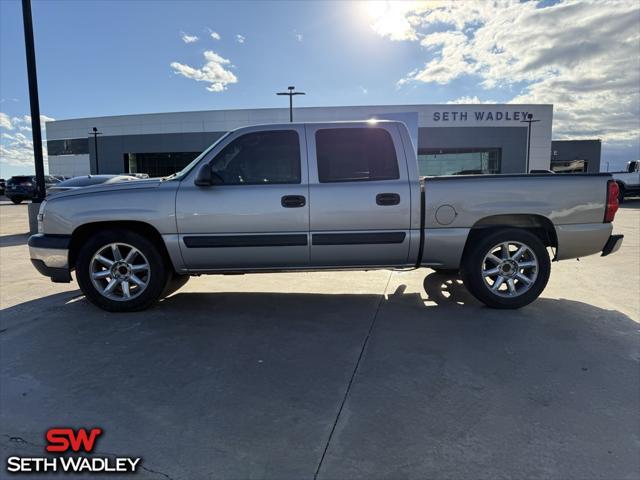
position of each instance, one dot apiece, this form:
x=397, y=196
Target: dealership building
x=449, y=138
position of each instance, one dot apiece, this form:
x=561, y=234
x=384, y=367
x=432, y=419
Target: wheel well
x=537, y=224
x=83, y=232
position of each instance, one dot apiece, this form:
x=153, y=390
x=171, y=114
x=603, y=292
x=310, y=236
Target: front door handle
x=293, y=201
x=387, y=199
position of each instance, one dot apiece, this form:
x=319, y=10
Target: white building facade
x=449, y=139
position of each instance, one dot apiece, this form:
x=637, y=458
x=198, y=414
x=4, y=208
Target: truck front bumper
x=50, y=255
x=613, y=245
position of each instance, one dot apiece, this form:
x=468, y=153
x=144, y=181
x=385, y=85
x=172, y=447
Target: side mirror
x=203, y=178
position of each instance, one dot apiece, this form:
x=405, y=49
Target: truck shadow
x=443, y=294
x=13, y=240
x=631, y=203
x=447, y=289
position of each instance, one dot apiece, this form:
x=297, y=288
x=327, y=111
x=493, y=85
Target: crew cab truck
x=628, y=181
x=315, y=196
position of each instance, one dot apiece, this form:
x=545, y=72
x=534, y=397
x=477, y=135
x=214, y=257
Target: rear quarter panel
x=575, y=205
x=565, y=200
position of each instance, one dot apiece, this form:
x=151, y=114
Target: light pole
x=95, y=134
x=290, y=94
x=36, y=134
x=529, y=121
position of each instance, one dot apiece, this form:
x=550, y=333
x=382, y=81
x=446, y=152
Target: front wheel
x=121, y=271
x=508, y=268
x=16, y=200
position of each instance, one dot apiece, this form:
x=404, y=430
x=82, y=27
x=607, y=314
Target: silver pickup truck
x=628, y=181
x=340, y=195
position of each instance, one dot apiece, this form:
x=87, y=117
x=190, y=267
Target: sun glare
x=389, y=19
x=375, y=9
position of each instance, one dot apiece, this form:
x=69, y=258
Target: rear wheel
x=16, y=200
x=508, y=268
x=121, y=271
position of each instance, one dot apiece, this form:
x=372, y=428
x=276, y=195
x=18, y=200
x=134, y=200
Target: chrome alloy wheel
x=510, y=269
x=119, y=271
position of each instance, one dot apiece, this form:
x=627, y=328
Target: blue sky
x=108, y=58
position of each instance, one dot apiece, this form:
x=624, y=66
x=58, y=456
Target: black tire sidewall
x=471, y=270
x=160, y=271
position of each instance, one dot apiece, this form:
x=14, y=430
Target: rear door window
x=355, y=155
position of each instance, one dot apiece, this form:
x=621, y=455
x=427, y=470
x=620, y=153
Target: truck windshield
x=182, y=173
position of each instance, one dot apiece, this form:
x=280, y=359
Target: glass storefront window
x=157, y=164
x=70, y=146
x=436, y=162
x=569, y=166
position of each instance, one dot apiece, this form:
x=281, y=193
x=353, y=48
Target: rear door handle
x=387, y=199
x=293, y=201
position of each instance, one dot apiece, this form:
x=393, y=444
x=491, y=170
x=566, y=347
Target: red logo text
x=65, y=439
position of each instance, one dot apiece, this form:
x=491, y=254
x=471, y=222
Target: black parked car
x=23, y=187
x=3, y=184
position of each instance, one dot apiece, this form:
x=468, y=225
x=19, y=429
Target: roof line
x=285, y=109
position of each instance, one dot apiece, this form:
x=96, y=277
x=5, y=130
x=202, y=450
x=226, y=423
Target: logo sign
x=67, y=448
x=479, y=116
x=65, y=439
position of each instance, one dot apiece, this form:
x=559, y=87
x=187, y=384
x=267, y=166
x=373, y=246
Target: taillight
x=612, y=201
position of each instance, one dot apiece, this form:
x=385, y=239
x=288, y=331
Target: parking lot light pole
x=528, y=121
x=290, y=94
x=95, y=134
x=36, y=133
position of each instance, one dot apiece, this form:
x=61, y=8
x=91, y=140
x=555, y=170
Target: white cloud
x=363, y=90
x=215, y=35
x=16, y=148
x=189, y=38
x=212, y=72
x=240, y=38
x=5, y=121
x=580, y=56
x=299, y=37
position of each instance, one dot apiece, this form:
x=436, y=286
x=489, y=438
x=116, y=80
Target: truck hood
x=109, y=188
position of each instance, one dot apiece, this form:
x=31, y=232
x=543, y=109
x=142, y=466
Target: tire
x=146, y=274
x=16, y=200
x=512, y=291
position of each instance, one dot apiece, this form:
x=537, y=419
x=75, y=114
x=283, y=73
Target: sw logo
x=65, y=442
x=63, y=439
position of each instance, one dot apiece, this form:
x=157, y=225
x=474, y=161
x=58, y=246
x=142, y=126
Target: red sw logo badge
x=65, y=439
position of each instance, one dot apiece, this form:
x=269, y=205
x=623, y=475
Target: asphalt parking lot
x=336, y=375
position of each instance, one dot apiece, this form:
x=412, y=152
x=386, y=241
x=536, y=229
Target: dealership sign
x=66, y=441
x=479, y=116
